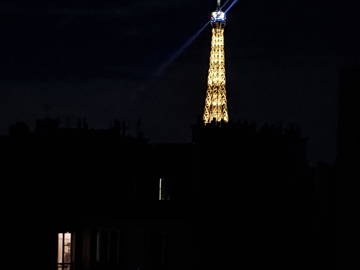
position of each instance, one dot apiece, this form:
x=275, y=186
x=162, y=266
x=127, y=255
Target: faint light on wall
x=161, y=191
x=164, y=194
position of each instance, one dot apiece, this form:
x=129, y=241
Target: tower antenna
x=219, y=3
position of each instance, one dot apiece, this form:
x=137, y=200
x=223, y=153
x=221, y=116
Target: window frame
x=64, y=265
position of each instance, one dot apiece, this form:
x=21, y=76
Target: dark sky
x=96, y=59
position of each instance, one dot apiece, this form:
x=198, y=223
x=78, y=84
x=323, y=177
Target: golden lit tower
x=216, y=103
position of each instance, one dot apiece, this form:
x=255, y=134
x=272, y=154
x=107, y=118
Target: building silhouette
x=348, y=142
x=239, y=195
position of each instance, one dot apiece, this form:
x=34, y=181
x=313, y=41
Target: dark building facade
x=348, y=111
x=347, y=161
x=238, y=196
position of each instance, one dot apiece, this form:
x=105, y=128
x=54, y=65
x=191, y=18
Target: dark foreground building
x=347, y=162
x=240, y=196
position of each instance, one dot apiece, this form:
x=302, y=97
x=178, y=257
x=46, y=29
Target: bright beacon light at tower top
x=218, y=17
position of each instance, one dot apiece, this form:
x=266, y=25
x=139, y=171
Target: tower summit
x=216, y=102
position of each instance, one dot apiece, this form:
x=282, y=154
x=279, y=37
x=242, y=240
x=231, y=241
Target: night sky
x=97, y=59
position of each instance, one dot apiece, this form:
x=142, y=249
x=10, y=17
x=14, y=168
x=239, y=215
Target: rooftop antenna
x=219, y=4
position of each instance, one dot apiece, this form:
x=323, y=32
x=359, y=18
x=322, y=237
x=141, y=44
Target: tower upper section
x=218, y=17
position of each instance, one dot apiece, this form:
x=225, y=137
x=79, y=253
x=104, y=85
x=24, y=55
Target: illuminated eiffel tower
x=216, y=102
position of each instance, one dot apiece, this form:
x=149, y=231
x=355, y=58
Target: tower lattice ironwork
x=216, y=100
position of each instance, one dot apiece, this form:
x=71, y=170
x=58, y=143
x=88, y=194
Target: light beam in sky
x=230, y=7
x=173, y=57
x=224, y=5
x=176, y=54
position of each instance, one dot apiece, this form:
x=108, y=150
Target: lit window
x=64, y=260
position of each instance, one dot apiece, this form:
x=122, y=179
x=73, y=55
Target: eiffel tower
x=216, y=101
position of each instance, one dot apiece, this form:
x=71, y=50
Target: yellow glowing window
x=64, y=257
